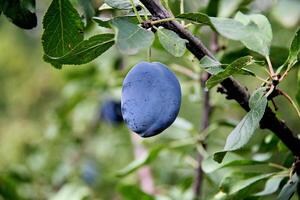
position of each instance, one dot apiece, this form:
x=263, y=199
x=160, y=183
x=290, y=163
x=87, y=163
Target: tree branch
x=234, y=89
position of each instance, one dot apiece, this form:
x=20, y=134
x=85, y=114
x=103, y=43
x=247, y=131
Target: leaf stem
x=261, y=79
x=291, y=101
x=136, y=12
x=289, y=67
x=163, y=20
x=277, y=166
x=182, y=11
x=271, y=70
x=145, y=10
x=185, y=71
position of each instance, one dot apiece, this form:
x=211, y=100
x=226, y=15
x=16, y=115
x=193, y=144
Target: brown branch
x=206, y=111
x=234, y=89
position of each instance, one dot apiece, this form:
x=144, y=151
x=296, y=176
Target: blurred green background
x=53, y=146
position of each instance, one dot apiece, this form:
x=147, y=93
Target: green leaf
x=271, y=186
x=89, y=11
x=298, y=89
x=62, y=29
x=131, y=192
x=212, y=8
x=19, y=12
x=85, y=51
x=196, y=17
x=289, y=188
x=1, y=6
x=165, y=4
x=103, y=22
x=295, y=48
x=254, y=31
x=243, y=132
x=72, y=191
x=234, y=68
x=171, y=42
x=121, y=4
x=210, y=65
x=209, y=165
x=131, y=37
x=259, y=30
x=242, y=184
x=135, y=165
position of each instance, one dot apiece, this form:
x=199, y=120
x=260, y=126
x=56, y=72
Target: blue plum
x=111, y=112
x=89, y=172
x=151, y=98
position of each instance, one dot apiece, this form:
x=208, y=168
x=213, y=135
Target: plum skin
x=151, y=98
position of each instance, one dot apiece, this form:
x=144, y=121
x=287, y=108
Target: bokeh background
x=53, y=144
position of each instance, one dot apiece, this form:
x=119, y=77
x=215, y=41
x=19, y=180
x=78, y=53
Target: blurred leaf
x=229, y=7
x=165, y=4
x=289, y=188
x=237, y=186
x=89, y=11
x=8, y=188
x=243, y=132
x=135, y=165
x=171, y=42
x=271, y=186
x=133, y=192
x=298, y=89
x=278, y=55
x=72, y=192
x=196, y=17
x=286, y=12
x=209, y=165
x=295, y=48
x=212, y=8
x=121, y=4
x=19, y=12
x=233, y=68
x=102, y=22
x=210, y=65
x=85, y=51
x=131, y=37
x=62, y=29
x=254, y=31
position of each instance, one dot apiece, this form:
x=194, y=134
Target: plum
x=111, y=112
x=151, y=98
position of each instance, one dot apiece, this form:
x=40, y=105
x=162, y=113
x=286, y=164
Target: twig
x=136, y=12
x=182, y=11
x=206, y=111
x=271, y=70
x=233, y=88
x=185, y=71
x=291, y=101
